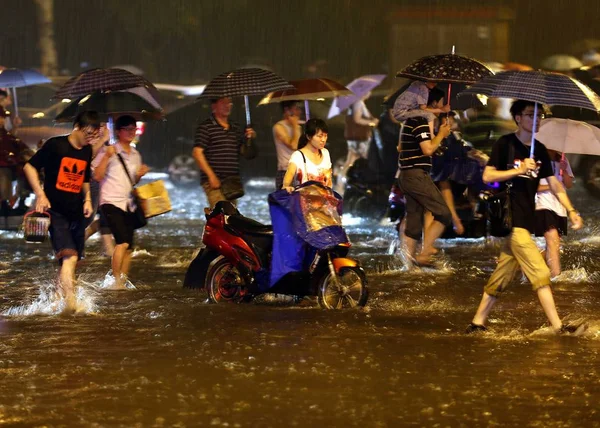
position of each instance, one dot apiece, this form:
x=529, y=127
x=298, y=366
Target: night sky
x=188, y=41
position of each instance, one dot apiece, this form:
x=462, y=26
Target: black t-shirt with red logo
x=65, y=170
x=524, y=187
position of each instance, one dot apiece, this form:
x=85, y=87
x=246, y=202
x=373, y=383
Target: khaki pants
x=519, y=251
x=215, y=195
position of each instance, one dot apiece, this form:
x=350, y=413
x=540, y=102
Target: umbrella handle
x=15, y=102
x=535, y=115
x=247, y=106
x=449, y=89
x=306, y=109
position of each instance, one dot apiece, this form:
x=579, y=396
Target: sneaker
x=475, y=328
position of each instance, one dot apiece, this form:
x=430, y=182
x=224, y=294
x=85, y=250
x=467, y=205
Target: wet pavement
x=160, y=356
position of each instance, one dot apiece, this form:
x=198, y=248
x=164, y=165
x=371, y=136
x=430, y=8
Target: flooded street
x=160, y=356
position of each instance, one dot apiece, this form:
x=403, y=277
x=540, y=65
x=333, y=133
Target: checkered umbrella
x=103, y=80
x=244, y=82
x=111, y=104
x=537, y=86
x=18, y=78
x=449, y=68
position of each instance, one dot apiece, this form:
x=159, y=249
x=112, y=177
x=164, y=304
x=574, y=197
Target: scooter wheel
x=347, y=289
x=224, y=283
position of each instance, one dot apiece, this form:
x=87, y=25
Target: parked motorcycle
x=302, y=254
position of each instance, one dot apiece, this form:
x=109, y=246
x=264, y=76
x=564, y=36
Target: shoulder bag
x=499, y=207
x=138, y=216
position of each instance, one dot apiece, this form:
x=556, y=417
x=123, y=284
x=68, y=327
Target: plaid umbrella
x=540, y=87
x=450, y=68
x=18, y=78
x=537, y=86
x=244, y=82
x=307, y=89
x=111, y=104
x=101, y=79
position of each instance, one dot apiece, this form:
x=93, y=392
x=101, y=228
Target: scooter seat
x=247, y=225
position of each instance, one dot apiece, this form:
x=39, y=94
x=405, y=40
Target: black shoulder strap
x=126, y=170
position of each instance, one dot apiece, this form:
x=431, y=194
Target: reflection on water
x=160, y=356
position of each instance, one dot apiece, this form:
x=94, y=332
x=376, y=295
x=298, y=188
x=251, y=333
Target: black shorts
x=546, y=220
x=119, y=222
x=67, y=236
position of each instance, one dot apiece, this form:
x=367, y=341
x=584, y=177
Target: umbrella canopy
x=537, y=86
x=569, y=136
x=457, y=103
x=540, y=87
x=359, y=87
x=561, y=63
x=17, y=78
x=307, y=89
x=111, y=104
x=101, y=79
x=244, y=81
x=450, y=68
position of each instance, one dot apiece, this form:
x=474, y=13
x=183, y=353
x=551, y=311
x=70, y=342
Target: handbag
x=138, y=216
x=499, y=208
x=232, y=187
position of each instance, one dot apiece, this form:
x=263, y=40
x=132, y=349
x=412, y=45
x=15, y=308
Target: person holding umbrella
x=217, y=148
x=511, y=160
x=11, y=124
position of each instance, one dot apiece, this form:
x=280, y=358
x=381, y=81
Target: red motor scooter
x=235, y=265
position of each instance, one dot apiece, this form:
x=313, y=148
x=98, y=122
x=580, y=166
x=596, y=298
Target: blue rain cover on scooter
x=308, y=217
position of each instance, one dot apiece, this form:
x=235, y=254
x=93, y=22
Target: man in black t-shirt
x=65, y=195
x=417, y=145
x=519, y=250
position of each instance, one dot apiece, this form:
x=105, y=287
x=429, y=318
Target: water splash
x=50, y=302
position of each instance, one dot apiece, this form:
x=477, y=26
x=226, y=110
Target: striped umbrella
x=244, y=82
x=103, y=80
x=540, y=87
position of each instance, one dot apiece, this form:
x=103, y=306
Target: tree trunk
x=49, y=57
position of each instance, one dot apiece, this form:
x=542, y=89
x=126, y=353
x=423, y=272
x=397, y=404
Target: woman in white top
x=116, y=202
x=550, y=215
x=311, y=162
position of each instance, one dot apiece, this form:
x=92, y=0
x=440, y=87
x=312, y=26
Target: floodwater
x=160, y=356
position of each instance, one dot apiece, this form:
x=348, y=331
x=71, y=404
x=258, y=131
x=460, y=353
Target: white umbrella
x=569, y=136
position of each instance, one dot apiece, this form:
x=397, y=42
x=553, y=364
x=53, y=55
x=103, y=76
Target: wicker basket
x=35, y=226
x=154, y=198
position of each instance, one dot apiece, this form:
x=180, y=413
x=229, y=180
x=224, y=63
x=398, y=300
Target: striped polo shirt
x=414, y=131
x=221, y=147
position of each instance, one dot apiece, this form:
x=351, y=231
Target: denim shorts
x=67, y=236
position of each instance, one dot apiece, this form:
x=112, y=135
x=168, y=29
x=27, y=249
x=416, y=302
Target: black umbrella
x=244, y=82
x=103, y=80
x=449, y=68
x=109, y=104
x=540, y=87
